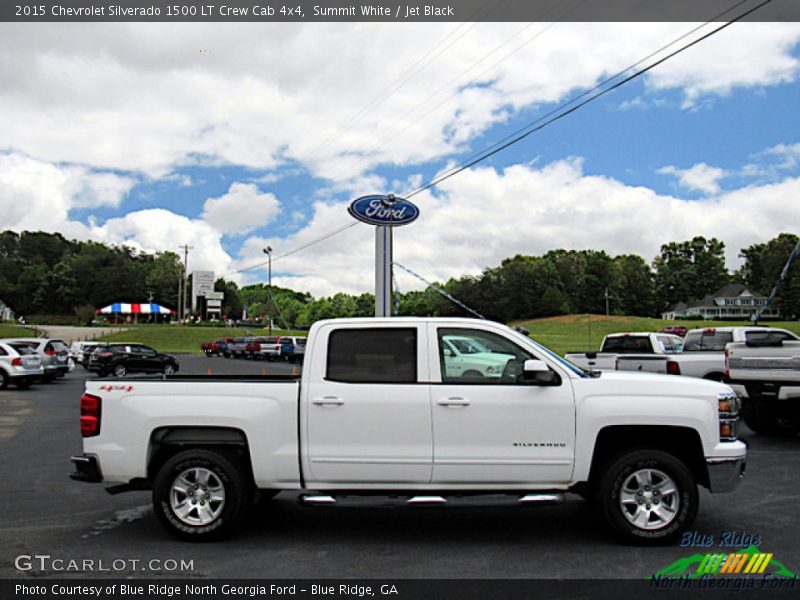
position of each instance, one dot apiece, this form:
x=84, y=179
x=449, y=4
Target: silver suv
x=54, y=355
x=20, y=366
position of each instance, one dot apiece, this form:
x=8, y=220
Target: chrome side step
x=320, y=500
x=426, y=500
x=540, y=499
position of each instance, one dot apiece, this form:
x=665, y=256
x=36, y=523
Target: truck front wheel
x=647, y=496
x=200, y=495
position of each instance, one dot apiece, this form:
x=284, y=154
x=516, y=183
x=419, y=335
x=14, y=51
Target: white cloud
x=35, y=194
x=243, y=209
x=700, y=177
x=155, y=230
x=744, y=55
x=789, y=154
x=143, y=97
x=477, y=219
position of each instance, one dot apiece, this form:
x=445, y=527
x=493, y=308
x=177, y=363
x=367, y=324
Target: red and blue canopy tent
x=134, y=308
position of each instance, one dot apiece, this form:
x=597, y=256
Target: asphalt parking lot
x=46, y=513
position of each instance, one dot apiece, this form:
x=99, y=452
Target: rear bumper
x=725, y=474
x=86, y=469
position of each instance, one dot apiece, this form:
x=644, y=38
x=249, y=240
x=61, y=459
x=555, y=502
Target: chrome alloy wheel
x=197, y=496
x=649, y=499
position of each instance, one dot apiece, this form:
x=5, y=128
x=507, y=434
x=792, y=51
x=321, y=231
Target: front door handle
x=453, y=401
x=328, y=401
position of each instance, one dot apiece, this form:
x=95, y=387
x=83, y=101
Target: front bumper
x=725, y=474
x=86, y=469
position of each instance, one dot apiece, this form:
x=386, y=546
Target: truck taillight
x=90, y=415
x=673, y=368
x=16, y=362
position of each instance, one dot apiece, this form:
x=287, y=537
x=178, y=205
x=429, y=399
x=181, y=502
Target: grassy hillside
x=14, y=331
x=571, y=333
x=172, y=338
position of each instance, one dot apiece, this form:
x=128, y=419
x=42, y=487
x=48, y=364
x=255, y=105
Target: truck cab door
x=499, y=429
x=366, y=406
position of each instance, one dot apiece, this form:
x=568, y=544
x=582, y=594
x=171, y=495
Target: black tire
x=225, y=473
x=620, y=470
x=22, y=384
x=169, y=369
x=4, y=379
x=472, y=374
x=119, y=370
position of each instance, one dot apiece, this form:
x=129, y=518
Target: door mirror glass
x=447, y=352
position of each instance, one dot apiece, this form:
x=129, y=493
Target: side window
x=472, y=356
x=3, y=351
x=373, y=355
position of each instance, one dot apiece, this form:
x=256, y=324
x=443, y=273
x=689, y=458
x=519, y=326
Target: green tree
x=689, y=270
x=762, y=267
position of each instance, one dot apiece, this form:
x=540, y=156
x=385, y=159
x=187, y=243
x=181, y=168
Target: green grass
x=569, y=333
x=14, y=331
x=175, y=338
x=578, y=333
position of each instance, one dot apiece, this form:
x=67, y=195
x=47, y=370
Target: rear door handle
x=328, y=401
x=453, y=401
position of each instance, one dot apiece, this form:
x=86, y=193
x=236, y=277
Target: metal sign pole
x=383, y=271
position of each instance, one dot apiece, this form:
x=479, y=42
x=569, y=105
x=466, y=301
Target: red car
x=675, y=330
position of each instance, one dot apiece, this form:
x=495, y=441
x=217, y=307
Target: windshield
x=628, y=344
x=707, y=341
x=468, y=345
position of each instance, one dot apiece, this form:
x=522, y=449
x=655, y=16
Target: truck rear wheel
x=200, y=495
x=647, y=496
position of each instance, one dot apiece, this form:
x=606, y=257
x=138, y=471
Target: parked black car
x=121, y=359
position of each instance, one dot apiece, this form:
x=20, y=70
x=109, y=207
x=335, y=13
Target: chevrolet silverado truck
x=703, y=353
x=633, y=347
x=377, y=412
x=765, y=372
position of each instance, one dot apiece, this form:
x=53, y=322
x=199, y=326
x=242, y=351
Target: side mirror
x=447, y=352
x=538, y=373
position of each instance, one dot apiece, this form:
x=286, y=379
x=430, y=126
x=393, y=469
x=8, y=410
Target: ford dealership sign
x=383, y=210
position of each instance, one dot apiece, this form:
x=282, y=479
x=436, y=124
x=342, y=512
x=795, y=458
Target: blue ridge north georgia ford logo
x=383, y=210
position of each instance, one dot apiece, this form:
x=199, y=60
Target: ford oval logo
x=383, y=210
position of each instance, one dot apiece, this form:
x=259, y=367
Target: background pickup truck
x=379, y=412
x=765, y=372
x=703, y=352
x=617, y=345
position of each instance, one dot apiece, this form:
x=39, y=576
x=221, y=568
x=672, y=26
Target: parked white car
x=19, y=365
x=79, y=351
x=378, y=412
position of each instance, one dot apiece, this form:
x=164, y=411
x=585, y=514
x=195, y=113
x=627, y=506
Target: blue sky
x=155, y=135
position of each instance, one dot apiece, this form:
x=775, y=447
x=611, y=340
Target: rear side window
x=707, y=341
x=23, y=349
x=300, y=341
x=373, y=355
x=768, y=337
x=628, y=344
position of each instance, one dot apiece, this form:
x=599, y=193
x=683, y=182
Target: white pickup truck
x=765, y=372
x=378, y=412
x=632, y=347
x=703, y=352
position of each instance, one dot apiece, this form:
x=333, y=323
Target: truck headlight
x=729, y=405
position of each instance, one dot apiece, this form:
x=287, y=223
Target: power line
x=531, y=128
x=523, y=133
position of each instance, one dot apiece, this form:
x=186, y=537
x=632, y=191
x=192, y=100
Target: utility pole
x=182, y=297
x=268, y=252
x=606, y=301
